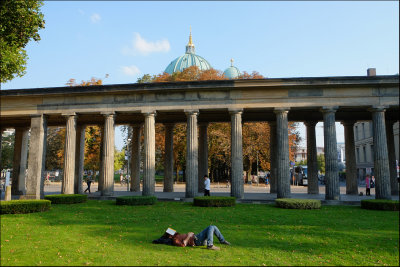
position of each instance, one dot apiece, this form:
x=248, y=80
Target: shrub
x=214, y=201
x=293, y=203
x=136, y=200
x=66, y=198
x=380, y=204
x=24, y=206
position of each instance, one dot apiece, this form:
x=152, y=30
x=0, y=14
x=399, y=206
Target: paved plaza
x=252, y=193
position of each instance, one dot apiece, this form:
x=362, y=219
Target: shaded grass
x=102, y=233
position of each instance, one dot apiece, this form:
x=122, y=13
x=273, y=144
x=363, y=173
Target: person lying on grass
x=190, y=239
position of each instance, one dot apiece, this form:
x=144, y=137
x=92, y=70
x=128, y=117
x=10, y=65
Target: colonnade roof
x=304, y=97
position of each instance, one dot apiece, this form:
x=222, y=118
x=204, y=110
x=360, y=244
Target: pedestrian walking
x=206, y=185
x=367, y=186
x=88, y=182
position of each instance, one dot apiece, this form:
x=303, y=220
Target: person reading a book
x=191, y=239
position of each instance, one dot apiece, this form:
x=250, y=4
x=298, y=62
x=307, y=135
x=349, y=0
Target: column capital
x=108, y=114
x=281, y=110
x=327, y=109
x=310, y=123
x=68, y=114
x=150, y=113
x=377, y=109
x=235, y=111
x=348, y=123
x=189, y=112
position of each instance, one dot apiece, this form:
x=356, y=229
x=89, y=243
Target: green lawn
x=101, y=233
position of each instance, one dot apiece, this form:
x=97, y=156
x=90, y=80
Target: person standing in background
x=206, y=185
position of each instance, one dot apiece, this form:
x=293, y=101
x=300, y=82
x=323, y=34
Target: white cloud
x=144, y=47
x=130, y=70
x=95, y=18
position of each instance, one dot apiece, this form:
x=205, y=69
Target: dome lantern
x=187, y=60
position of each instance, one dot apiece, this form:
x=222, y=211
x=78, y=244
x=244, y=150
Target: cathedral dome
x=232, y=72
x=187, y=60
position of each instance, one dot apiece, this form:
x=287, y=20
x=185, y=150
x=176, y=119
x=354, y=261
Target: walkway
x=252, y=193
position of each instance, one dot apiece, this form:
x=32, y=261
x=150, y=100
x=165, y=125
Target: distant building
x=364, y=144
x=301, y=153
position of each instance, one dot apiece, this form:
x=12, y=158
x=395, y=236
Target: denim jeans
x=207, y=234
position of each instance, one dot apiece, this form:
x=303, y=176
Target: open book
x=170, y=231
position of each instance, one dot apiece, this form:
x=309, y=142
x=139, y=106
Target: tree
x=55, y=148
x=255, y=135
x=119, y=159
x=321, y=163
x=20, y=22
x=7, y=151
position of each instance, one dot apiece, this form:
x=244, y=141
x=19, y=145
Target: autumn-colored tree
x=55, y=148
x=56, y=140
x=255, y=134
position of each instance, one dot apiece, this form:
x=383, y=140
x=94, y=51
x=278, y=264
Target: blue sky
x=126, y=39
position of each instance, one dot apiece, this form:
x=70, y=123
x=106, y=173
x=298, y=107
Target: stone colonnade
x=197, y=155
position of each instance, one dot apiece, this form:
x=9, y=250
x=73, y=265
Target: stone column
x=101, y=182
x=135, y=157
x=312, y=166
x=19, y=161
x=69, y=156
x=381, y=158
x=37, y=158
x=237, y=183
x=394, y=185
x=1, y=137
x=282, y=151
x=79, y=158
x=169, y=158
x=192, y=156
x=272, y=147
x=203, y=155
x=108, y=156
x=332, y=187
x=149, y=154
x=351, y=167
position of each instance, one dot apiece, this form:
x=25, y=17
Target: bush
x=24, y=206
x=66, y=198
x=380, y=204
x=136, y=200
x=214, y=201
x=293, y=203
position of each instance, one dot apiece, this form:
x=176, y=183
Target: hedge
x=24, y=206
x=66, y=198
x=293, y=203
x=211, y=201
x=136, y=200
x=380, y=204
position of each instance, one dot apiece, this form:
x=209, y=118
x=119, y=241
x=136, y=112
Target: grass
x=101, y=233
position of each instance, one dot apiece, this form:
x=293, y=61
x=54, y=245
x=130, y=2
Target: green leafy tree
x=321, y=163
x=20, y=21
x=119, y=159
x=7, y=151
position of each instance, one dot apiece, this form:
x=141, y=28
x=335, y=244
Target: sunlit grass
x=101, y=233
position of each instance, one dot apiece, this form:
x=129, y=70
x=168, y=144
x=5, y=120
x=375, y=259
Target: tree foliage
x=7, y=151
x=256, y=135
x=20, y=21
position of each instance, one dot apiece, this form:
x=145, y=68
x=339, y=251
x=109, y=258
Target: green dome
x=187, y=60
x=232, y=72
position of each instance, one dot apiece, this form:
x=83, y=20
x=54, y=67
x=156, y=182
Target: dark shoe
x=226, y=243
x=213, y=247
